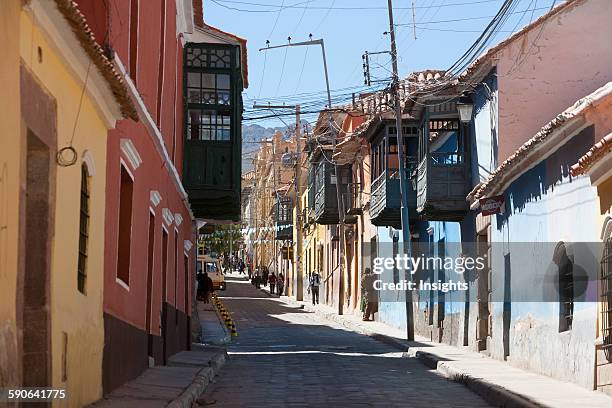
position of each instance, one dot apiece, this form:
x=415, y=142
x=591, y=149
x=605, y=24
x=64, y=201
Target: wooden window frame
x=125, y=283
x=84, y=220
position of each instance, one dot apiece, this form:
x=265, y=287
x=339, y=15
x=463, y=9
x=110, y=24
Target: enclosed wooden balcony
x=385, y=200
x=443, y=176
x=325, y=194
x=353, y=205
x=212, y=139
x=283, y=219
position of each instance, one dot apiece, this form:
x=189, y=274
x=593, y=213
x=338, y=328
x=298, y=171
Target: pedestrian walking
x=272, y=282
x=241, y=267
x=208, y=287
x=280, y=284
x=315, y=281
x=264, y=275
x=257, y=279
x=201, y=279
x=369, y=295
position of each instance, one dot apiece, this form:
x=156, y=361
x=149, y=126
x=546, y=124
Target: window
x=186, y=273
x=566, y=287
x=606, y=296
x=164, y=265
x=176, y=255
x=133, y=56
x=208, y=58
x=83, y=230
x=208, y=88
x=203, y=124
x=208, y=85
x=125, y=226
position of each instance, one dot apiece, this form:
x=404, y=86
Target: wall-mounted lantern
x=465, y=106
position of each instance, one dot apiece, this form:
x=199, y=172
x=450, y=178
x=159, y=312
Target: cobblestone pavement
x=285, y=357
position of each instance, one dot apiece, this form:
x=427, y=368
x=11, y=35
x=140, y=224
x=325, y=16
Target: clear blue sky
x=350, y=27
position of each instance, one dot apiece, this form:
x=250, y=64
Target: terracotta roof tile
x=595, y=154
x=84, y=34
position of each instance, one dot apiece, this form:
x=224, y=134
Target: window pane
x=193, y=95
x=208, y=81
x=193, y=79
x=224, y=98
x=223, y=81
x=209, y=98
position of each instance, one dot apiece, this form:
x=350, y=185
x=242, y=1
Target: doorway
x=36, y=324
x=164, y=306
x=150, y=255
x=483, y=296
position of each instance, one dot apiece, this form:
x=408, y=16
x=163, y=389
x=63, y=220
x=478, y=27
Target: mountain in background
x=251, y=136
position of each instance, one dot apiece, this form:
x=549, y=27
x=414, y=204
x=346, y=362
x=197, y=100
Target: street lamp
x=465, y=106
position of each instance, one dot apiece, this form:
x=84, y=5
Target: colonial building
x=596, y=164
x=66, y=95
x=501, y=130
x=166, y=55
x=270, y=194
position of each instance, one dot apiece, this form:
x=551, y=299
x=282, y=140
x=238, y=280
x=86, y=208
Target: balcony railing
x=353, y=205
x=442, y=184
x=385, y=203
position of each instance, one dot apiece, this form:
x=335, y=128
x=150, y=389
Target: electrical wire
x=301, y=6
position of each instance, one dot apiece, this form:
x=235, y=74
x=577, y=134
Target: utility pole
x=299, y=287
x=401, y=156
x=298, y=194
x=336, y=167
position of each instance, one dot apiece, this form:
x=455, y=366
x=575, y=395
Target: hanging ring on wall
x=67, y=156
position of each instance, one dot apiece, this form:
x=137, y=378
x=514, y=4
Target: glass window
x=208, y=58
x=83, y=231
x=209, y=89
x=206, y=124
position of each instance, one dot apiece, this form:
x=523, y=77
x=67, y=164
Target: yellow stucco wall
x=74, y=315
x=10, y=142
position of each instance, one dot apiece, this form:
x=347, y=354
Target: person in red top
x=272, y=282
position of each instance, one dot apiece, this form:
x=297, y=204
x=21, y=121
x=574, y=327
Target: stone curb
x=491, y=393
x=228, y=336
x=199, y=384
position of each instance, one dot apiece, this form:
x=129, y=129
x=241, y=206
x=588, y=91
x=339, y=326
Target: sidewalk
x=186, y=376
x=214, y=331
x=495, y=381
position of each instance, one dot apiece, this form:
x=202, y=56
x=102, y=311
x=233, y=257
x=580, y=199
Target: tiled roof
x=85, y=36
x=382, y=101
x=198, y=17
x=596, y=153
x=513, y=163
x=243, y=52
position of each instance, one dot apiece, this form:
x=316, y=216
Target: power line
x=453, y=20
x=301, y=6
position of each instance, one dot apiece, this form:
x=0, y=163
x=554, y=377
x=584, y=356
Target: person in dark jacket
x=257, y=279
x=201, y=285
x=209, y=288
x=369, y=295
x=272, y=282
x=280, y=284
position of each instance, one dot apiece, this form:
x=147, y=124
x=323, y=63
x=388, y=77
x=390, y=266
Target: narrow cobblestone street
x=285, y=357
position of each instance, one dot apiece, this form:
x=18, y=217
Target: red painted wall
x=129, y=305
